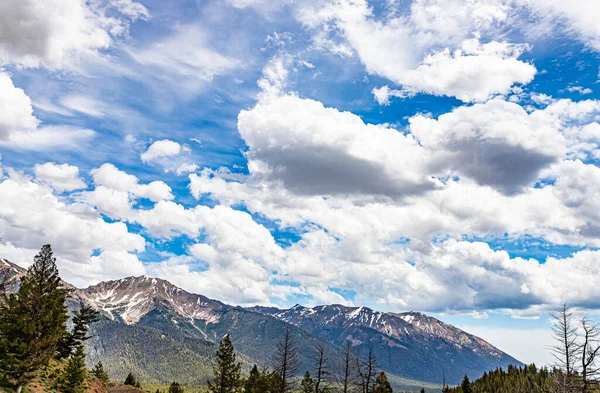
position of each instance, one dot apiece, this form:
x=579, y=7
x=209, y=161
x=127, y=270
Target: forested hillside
x=527, y=379
x=52, y=338
x=413, y=349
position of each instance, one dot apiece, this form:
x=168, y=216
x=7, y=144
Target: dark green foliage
x=131, y=381
x=227, y=371
x=465, y=385
x=32, y=321
x=382, y=384
x=308, y=384
x=422, y=390
x=515, y=379
x=75, y=373
x=99, y=372
x=151, y=355
x=81, y=321
x=259, y=381
x=175, y=388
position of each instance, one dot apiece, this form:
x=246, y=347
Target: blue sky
x=432, y=155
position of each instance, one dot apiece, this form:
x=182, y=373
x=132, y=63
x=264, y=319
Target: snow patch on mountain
x=129, y=299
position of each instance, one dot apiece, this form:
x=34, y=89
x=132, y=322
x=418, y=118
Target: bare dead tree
x=367, y=369
x=286, y=363
x=347, y=378
x=589, y=350
x=322, y=371
x=565, y=350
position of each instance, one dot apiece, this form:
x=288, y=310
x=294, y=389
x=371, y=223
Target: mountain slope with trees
x=145, y=318
x=410, y=344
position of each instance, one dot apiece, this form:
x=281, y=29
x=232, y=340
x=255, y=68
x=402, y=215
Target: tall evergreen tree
x=381, y=384
x=99, y=372
x=308, y=384
x=75, y=372
x=81, y=321
x=32, y=321
x=466, y=385
x=227, y=372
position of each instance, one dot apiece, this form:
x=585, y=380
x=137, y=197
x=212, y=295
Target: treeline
x=356, y=375
x=576, y=369
x=527, y=379
x=33, y=329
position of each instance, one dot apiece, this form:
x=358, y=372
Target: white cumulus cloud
x=62, y=177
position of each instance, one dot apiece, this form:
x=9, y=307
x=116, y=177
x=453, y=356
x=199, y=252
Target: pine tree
x=175, y=388
x=466, y=385
x=75, y=372
x=308, y=384
x=258, y=381
x=130, y=380
x=32, y=321
x=381, y=384
x=227, y=372
x=99, y=372
x=81, y=321
x=274, y=380
x=252, y=381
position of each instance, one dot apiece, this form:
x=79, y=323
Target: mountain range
x=162, y=333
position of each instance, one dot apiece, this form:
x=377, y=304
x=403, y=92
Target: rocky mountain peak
x=131, y=298
x=10, y=274
x=409, y=326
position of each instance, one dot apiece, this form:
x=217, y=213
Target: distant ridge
x=163, y=332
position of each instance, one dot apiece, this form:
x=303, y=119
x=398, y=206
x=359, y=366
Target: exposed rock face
x=129, y=299
x=10, y=274
x=410, y=345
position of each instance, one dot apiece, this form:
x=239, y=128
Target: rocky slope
x=151, y=321
x=131, y=298
x=10, y=275
x=410, y=344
